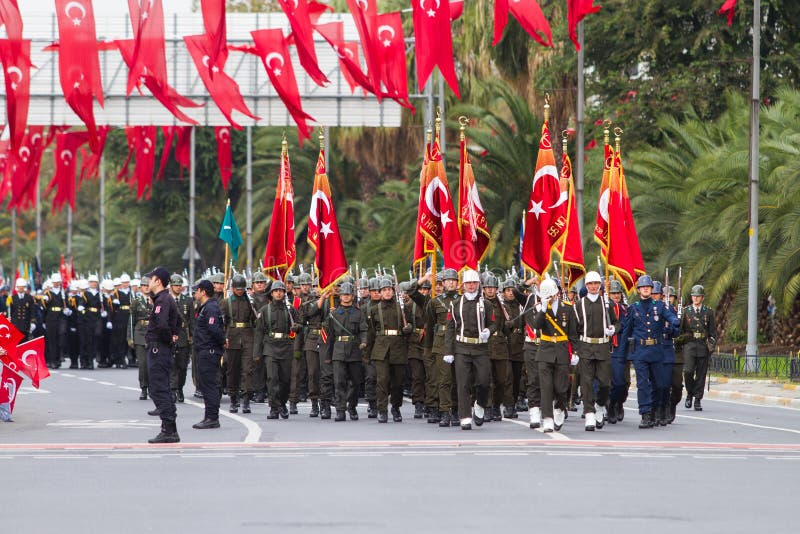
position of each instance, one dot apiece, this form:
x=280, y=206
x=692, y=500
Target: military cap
x=176, y=280
x=644, y=281
x=346, y=288
x=277, y=284
x=159, y=272
x=239, y=282
x=698, y=291
x=205, y=286
x=258, y=276
x=658, y=288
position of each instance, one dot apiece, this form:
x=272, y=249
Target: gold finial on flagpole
x=607, y=131
x=564, y=142
x=617, y=138
x=547, y=107
x=438, y=121
x=429, y=133
x=284, y=144
x=322, y=138
x=463, y=120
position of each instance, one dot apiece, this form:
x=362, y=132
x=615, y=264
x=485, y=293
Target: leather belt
x=698, y=335
x=241, y=325
x=419, y=330
x=648, y=342
x=279, y=336
x=94, y=310
x=313, y=331
x=144, y=322
x=553, y=339
x=534, y=340
x=469, y=340
x=55, y=308
x=345, y=339
x=595, y=340
x=390, y=333
x=124, y=307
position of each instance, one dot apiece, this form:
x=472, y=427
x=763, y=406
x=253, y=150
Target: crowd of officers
x=463, y=349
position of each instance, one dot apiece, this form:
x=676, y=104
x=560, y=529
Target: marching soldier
x=260, y=297
x=240, y=318
x=119, y=324
x=135, y=293
x=106, y=324
x=620, y=364
x=516, y=342
x=276, y=321
x=676, y=371
x=346, y=331
x=319, y=368
x=527, y=297
x=414, y=316
x=183, y=347
x=370, y=376
x=596, y=324
x=498, y=351
x=664, y=374
x=387, y=348
x=90, y=327
x=139, y=319
x=56, y=313
x=22, y=310
x=699, y=331
x=645, y=323
x=73, y=346
x=466, y=346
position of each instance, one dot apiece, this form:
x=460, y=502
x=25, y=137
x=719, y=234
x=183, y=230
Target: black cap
x=160, y=273
x=205, y=285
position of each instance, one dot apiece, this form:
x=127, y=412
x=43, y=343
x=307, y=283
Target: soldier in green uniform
x=320, y=370
x=515, y=334
x=346, y=329
x=699, y=336
x=259, y=298
x=414, y=316
x=141, y=306
x=498, y=351
x=182, y=347
x=274, y=339
x=370, y=375
x=240, y=317
x=386, y=343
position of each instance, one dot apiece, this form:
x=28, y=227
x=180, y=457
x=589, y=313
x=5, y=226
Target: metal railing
x=739, y=365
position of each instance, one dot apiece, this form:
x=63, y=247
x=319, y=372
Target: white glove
x=81, y=308
x=103, y=313
x=448, y=358
x=45, y=298
x=539, y=307
x=574, y=359
x=115, y=301
x=73, y=329
x=44, y=327
x=33, y=327
x=484, y=335
x=610, y=330
x=67, y=312
x=109, y=326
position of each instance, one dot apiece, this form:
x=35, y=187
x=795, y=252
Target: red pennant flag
x=10, y=382
x=500, y=20
x=24, y=165
x=10, y=17
x=169, y=135
x=145, y=160
x=148, y=56
x=224, y=154
x=392, y=53
x=729, y=9
x=323, y=230
x=66, y=275
x=434, y=42
x=78, y=62
x=90, y=161
x=601, y=220
x=545, y=219
x=624, y=256
x=222, y=88
x=29, y=360
x=303, y=35
x=571, y=249
x=280, y=253
x=422, y=245
x=439, y=221
x=530, y=17
x=456, y=9
x=131, y=134
x=274, y=53
x=471, y=219
x=365, y=16
x=576, y=11
x=9, y=338
x=183, y=148
x=15, y=56
x=216, y=34
x=333, y=32
x=64, y=161
x=5, y=178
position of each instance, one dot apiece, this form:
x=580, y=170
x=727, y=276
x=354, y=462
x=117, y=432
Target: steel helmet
x=276, y=285
x=239, y=282
x=644, y=281
x=698, y=291
x=490, y=280
x=346, y=289
x=616, y=287
x=374, y=284
x=385, y=282
x=450, y=274
x=658, y=288
x=258, y=276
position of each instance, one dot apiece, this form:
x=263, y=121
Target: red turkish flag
x=365, y=16
x=169, y=135
x=624, y=257
x=280, y=253
x=392, y=52
x=434, y=42
x=224, y=154
x=90, y=161
x=438, y=220
x=29, y=360
x=528, y=14
x=145, y=160
x=222, y=88
x=183, y=147
x=10, y=382
x=333, y=32
x=729, y=9
x=15, y=57
x=500, y=19
x=601, y=220
x=23, y=169
x=9, y=338
x=545, y=219
x=323, y=230
x=422, y=245
x=472, y=223
x=274, y=53
x=64, y=161
x=131, y=134
x=78, y=62
x=148, y=55
x=303, y=35
x=576, y=11
x=63, y=270
x=216, y=34
x=10, y=17
x=571, y=249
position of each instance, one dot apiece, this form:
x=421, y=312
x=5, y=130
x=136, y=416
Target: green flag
x=230, y=233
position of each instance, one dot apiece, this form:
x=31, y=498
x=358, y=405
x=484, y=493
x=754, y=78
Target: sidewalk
x=766, y=392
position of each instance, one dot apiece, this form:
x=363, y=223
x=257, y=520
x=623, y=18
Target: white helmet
x=548, y=289
x=83, y=284
x=56, y=278
x=73, y=285
x=21, y=282
x=593, y=276
x=107, y=285
x=117, y=281
x=471, y=275
x=124, y=279
x=92, y=278
x=136, y=282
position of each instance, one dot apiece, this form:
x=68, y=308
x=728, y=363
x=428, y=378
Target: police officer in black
x=209, y=344
x=162, y=333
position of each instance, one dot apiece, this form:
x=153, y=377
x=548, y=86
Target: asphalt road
x=76, y=458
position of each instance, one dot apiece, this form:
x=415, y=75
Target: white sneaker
x=536, y=417
x=466, y=423
x=477, y=409
x=558, y=418
x=590, y=422
x=547, y=426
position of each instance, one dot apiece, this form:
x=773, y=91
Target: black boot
x=246, y=403
x=234, y=404
x=509, y=413
x=273, y=413
x=314, y=408
x=663, y=416
x=293, y=408
x=168, y=434
x=372, y=410
x=496, y=414
x=454, y=420
x=143, y=396
x=419, y=410
x=522, y=405
x=198, y=394
x=672, y=409
x=261, y=397
x=444, y=420
x=397, y=417
x=340, y=415
x=647, y=420
x=433, y=416
x=620, y=412
x=383, y=417
x=612, y=413
x=688, y=402
x=697, y=406
x=180, y=395
x=155, y=412
x=284, y=412
x=353, y=414
x=206, y=423
x=325, y=412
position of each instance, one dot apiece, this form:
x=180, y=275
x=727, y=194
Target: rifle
x=399, y=297
x=680, y=292
x=666, y=285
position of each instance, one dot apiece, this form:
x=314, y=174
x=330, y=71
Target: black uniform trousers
x=695, y=367
x=532, y=391
x=208, y=374
x=279, y=376
x=554, y=384
x=179, y=371
x=141, y=360
x=159, y=368
x=470, y=367
x=347, y=395
x=595, y=363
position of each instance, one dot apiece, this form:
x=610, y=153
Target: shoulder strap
x=555, y=324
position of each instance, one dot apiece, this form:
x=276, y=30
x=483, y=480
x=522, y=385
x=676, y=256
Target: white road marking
x=593, y=454
x=69, y=375
x=253, y=430
x=742, y=403
x=129, y=388
x=86, y=378
x=750, y=425
x=106, y=383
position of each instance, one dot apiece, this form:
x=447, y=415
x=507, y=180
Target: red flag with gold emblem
x=471, y=217
x=438, y=220
x=624, y=257
x=280, y=253
x=601, y=220
x=422, y=245
x=571, y=249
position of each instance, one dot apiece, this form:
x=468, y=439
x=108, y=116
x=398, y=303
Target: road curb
x=766, y=400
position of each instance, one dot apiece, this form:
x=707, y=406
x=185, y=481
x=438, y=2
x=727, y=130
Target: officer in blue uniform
x=645, y=324
x=661, y=393
x=620, y=364
x=209, y=344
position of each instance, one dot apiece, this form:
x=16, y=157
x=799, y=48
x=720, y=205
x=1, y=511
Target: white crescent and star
x=429, y=192
x=430, y=12
x=24, y=150
x=75, y=5
x=27, y=354
x=149, y=143
x=11, y=386
x=66, y=156
x=7, y=329
x=362, y=4
x=386, y=28
x=224, y=135
x=18, y=72
x=314, y=202
x=206, y=61
x=348, y=54
x=268, y=61
x=603, y=204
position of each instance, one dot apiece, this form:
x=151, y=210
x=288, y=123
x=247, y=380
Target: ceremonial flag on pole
x=29, y=360
x=729, y=9
x=422, y=245
x=66, y=275
x=303, y=34
x=224, y=154
x=64, y=156
x=624, y=257
x=433, y=40
x=280, y=253
x=571, y=248
x=601, y=221
x=529, y=15
x=323, y=228
x=9, y=337
x=576, y=11
x=471, y=217
x=229, y=232
x=10, y=382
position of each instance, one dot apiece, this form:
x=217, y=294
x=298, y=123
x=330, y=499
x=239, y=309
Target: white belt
x=595, y=340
